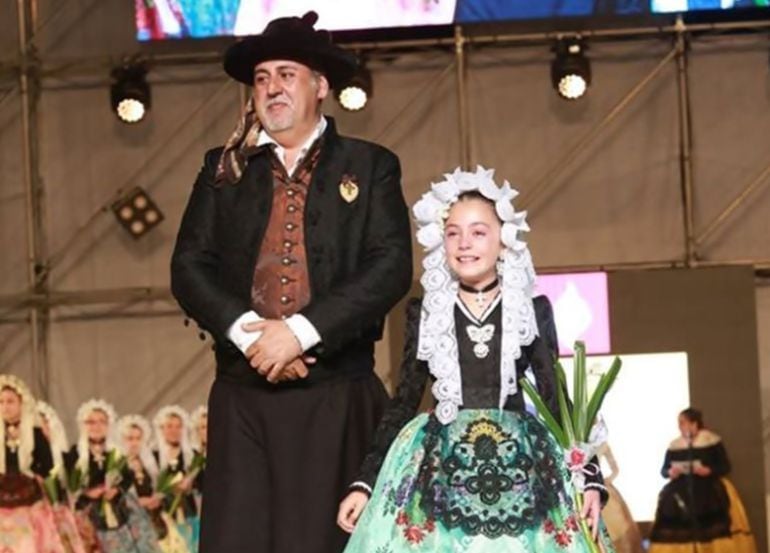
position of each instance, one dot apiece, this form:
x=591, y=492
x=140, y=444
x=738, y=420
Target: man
x=294, y=245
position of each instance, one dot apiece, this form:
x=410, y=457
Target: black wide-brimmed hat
x=295, y=39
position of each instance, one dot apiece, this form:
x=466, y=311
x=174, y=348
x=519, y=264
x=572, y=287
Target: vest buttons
x=286, y=261
x=284, y=280
x=285, y=299
x=290, y=226
x=290, y=193
x=291, y=208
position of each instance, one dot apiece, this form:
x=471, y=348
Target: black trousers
x=279, y=461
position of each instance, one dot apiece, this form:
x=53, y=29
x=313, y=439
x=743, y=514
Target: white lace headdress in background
x=163, y=447
x=26, y=424
x=438, y=339
x=84, y=410
x=125, y=423
x=58, y=435
x=198, y=414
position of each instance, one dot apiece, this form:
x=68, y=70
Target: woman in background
x=175, y=457
x=135, y=438
x=56, y=482
x=620, y=524
x=103, y=480
x=26, y=520
x=699, y=505
x=199, y=421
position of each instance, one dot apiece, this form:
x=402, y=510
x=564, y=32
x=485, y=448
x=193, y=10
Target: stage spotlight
x=130, y=92
x=354, y=94
x=137, y=213
x=570, y=70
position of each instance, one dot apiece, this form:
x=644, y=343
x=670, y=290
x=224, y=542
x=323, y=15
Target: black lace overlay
x=492, y=483
x=481, y=379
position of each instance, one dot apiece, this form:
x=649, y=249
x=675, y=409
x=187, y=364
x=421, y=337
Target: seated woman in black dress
x=698, y=504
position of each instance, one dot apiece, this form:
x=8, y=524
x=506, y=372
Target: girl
x=175, y=456
x=26, y=520
x=104, y=481
x=66, y=524
x=478, y=473
x=135, y=439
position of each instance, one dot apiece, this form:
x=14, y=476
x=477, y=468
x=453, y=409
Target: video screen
x=175, y=19
x=581, y=309
x=669, y=6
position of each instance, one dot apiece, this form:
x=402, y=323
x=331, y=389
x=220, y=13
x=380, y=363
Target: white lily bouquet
x=577, y=431
x=168, y=482
x=115, y=464
x=51, y=484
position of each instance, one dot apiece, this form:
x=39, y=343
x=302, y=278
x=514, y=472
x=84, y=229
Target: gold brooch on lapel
x=349, y=188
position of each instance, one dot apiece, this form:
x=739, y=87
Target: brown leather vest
x=281, y=284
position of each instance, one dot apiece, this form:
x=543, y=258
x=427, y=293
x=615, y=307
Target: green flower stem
x=584, y=528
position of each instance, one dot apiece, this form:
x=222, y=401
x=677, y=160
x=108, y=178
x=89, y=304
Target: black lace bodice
x=481, y=376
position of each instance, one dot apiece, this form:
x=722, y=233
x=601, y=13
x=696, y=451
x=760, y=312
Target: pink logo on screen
x=581, y=309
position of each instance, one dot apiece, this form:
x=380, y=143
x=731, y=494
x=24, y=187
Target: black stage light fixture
x=137, y=212
x=130, y=92
x=356, y=92
x=571, y=69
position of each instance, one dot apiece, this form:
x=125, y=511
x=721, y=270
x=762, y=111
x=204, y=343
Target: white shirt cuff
x=304, y=331
x=240, y=337
x=361, y=486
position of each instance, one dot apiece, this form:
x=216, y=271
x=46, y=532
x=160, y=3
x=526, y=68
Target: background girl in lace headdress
x=26, y=518
x=135, y=441
x=100, y=473
x=699, y=504
x=56, y=482
x=621, y=526
x=478, y=473
x=199, y=424
x=176, y=458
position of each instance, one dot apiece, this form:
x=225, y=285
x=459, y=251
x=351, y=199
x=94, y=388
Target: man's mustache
x=278, y=100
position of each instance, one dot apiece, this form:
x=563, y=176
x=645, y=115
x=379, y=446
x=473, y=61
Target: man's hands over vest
x=277, y=354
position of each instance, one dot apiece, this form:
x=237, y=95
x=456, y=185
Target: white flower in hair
x=489, y=189
x=446, y=191
x=429, y=209
x=430, y=236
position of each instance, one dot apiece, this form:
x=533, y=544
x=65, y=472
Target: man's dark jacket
x=358, y=253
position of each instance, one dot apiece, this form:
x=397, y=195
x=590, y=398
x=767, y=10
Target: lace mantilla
x=438, y=338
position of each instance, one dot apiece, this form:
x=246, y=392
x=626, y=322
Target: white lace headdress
x=163, y=447
x=199, y=413
x=83, y=411
x=58, y=435
x=26, y=424
x=125, y=424
x=438, y=339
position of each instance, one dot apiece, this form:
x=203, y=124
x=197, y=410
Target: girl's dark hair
x=475, y=195
x=693, y=415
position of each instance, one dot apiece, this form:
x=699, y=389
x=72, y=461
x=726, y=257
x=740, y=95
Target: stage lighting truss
x=571, y=69
x=137, y=212
x=356, y=92
x=130, y=92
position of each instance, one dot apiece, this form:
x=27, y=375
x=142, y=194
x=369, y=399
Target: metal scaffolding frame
x=38, y=300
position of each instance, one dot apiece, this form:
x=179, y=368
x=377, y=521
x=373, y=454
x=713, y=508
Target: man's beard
x=278, y=122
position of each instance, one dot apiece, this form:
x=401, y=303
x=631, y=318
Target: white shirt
x=280, y=152
x=303, y=330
